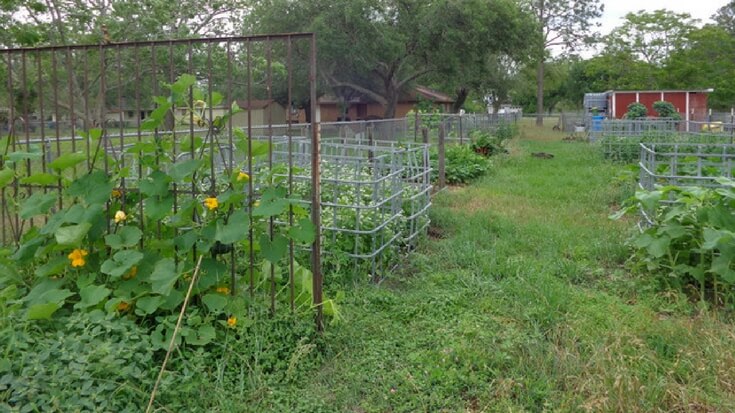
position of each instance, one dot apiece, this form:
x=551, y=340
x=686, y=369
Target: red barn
x=691, y=104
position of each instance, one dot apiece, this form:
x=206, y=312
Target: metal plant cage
x=375, y=197
x=684, y=164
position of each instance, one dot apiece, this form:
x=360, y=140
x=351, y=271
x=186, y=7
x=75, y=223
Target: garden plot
x=374, y=198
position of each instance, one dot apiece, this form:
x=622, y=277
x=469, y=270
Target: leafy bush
x=636, y=111
x=692, y=240
x=666, y=109
x=89, y=362
x=627, y=149
x=462, y=164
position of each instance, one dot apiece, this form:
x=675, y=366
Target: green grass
x=520, y=302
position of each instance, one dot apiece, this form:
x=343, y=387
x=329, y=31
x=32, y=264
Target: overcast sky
x=615, y=10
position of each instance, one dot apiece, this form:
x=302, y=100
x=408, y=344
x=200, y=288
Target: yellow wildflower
x=120, y=216
x=123, y=306
x=243, y=177
x=116, y=193
x=77, y=257
x=232, y=321
x=211, y=203
x=256, y=203
x=131, y=274
x=223, y=290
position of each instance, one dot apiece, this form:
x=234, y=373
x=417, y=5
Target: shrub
x=691, y=244
x=462, y=164
x=636, y=111
x=666, y=110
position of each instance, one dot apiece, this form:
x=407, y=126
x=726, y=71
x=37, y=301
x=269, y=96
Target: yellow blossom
x=120, y=216
x=223, y=290
x=123, y=306
x=116, y=193
x=131, y=274
x=256, y=203
x=232, y=321
x=243, y=177
x=211, y=203
x=77, y=257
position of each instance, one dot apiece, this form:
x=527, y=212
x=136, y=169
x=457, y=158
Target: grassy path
x=520, y=302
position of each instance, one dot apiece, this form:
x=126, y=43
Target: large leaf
x=156, y=184
x=67, y=160
x=6, y=177
x=275, y=250
x=272, y=203
x=235, y=230
x=34, y=154
x=92, y=295
x=148, y=305
x=304, y=232
x=182, y=170
x=157, y=208
x=202, y=335
x=93, y=188
x=121, y=263
x=125, y=237
x=37, y=204
x=215, y=302
x=53, y=267
x=164, y=276
x=72, y=235
x=42, y=311
x=40, y=178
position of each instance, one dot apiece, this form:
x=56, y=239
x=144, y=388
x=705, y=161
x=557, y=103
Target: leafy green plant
x=462, y=164
x=692, y=239
x=666, y=109
x=636, y=111
x=487, y=145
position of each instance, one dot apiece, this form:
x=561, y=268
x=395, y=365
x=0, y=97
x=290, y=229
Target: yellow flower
x=256, y=203
x=77, y=257
x=131, y=274
x=116, y=193
x=243, y=177
x=211, y=203
x=123, y=306
x=223, y=290
x=232, y=321
x=120, y=216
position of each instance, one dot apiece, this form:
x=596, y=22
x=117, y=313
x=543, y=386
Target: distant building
x=691, y=104
x=362, y=107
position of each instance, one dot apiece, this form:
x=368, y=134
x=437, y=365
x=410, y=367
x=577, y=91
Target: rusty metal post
x=316, y=263
x=442, y=166
x=416, y=127
x=425, y=134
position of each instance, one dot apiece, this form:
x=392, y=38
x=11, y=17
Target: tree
x=725, y=17
x=651, y=36
x=379, y=49
x=560, y=23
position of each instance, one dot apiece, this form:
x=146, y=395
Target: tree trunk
x=462, y=94
x=540, y=93
x=391, y=104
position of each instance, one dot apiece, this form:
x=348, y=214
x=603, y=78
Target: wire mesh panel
x=375, y=197
x=159, y=132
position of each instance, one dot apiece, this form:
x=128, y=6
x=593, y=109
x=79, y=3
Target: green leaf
x=183, y=83
x=72, y=235
x=37, y=204
x=121, y=263
x=203, y=335
x=304, y=232
x=125, y=237
x=164, y=276
x=235, y=230
x=185, y=241
x=17, y=156
x=42, y=311
x=215, y=302
x=659, y=246
x=157, y=208
x=92, y=295
x=148, y=305
x=182, y=170
x=275, y=250
x=38, y=179
x=6, y=177
x=272, y=203
x=93, y=188
x=53, y=267
x=721, y=266
x=156, y=184
x=67, y=160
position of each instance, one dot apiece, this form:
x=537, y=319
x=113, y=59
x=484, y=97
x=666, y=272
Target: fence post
x=442, y=170
x=461, y=134
x=425, y=134
x=370, y=142
x=416, y=126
